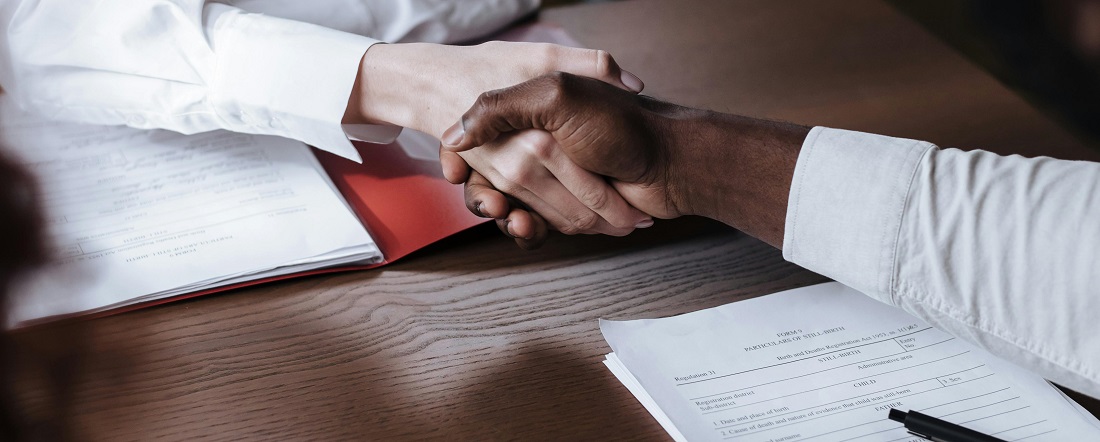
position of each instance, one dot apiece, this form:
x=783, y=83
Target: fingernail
x=454, y=134
x=478, y=208
x=508, y=227
x=648, y=222
x=632, y=81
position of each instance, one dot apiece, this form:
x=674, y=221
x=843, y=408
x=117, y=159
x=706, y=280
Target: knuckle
x=510, y=187
x=568, y=229
x=513, y=177
x=485, y=106
x=585, y=222
x=555, y=86
x=487, y=99
x=595, y=199
x=541, y=147
x=510, y=184
x=605, y=64
x=491, y=45
x=543, y=151
x=555, y=78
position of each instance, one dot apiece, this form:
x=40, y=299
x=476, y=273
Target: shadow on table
x=551, y=392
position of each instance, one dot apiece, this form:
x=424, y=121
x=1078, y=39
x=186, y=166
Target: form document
x=825, y=364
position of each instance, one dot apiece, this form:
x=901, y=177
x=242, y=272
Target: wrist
x=388, y=87
x=678, y=132
x=734, y=169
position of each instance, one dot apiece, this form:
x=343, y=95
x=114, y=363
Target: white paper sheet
x=137, y=215
x=826, y=363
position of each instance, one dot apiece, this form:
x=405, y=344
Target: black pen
x=938, y=430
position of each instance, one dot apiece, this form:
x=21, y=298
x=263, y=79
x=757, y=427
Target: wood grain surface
x=473, y=339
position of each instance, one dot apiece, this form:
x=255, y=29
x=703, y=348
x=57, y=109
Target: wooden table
x=475, y=339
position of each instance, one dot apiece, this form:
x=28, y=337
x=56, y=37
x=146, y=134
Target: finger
x=482, y=199
x=541, y=232
x=595, y=193
x=598, y=64
x=562, y=210
x=649, y=199
x=523, y=106
x=519, y=224
x=520, y=219
x=526, y=178
x=531, y=195
x=541, y=192
x=524, y=186
x=455, y=169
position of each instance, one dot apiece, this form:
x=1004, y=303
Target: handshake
x=580, y=155
x=563, y=140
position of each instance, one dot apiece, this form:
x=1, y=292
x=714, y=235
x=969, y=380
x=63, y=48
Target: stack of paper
x=135, y=215
x=826, y=363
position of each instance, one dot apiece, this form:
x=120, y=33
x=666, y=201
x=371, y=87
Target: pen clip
x=933, y=439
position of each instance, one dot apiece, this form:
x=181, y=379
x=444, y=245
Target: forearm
x=734, y=169
x=1005, y=252
x=427, y=87
x=1000, y=251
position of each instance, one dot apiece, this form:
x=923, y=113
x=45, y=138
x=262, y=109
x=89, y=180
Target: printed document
x=136, y=215
x=825, y=364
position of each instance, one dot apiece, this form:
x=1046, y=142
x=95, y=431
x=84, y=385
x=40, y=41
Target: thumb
x=455, y=169
x=527, y=105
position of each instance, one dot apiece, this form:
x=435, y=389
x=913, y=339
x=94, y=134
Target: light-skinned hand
x=427, y=86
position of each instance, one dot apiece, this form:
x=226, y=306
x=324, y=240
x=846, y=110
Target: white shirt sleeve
x=398, y=21
x=285, y=69
x=1001, y=251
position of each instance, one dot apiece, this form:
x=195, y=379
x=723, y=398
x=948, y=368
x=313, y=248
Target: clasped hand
x=575, y=127
x=397, y=86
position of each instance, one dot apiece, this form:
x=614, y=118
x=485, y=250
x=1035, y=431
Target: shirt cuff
x=845, y=206
x=287, y=78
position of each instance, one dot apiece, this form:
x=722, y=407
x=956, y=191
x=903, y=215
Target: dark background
x=1047, y=51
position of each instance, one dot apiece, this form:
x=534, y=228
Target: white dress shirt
x=1001, y=251
x=278, y=67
